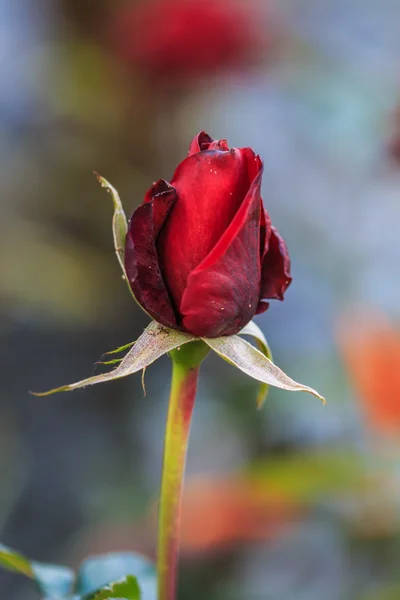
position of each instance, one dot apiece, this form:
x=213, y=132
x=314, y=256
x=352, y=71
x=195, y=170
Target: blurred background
x=296, y=502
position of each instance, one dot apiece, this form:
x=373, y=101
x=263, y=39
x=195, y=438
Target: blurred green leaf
x=387, y=592
x=100, y=571
x=307, y=476
x=127, y=589
x=54, y=581
x=14, y=561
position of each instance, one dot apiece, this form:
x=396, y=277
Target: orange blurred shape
x=184, y=39
x=370, y=348
x=220, y=512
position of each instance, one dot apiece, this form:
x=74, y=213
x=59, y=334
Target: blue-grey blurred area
x=297, y=501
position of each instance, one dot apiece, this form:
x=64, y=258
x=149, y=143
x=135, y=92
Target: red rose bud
x=182, y=39
x=200, y=254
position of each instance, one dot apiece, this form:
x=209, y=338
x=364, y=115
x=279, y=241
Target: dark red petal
x=141, y=260
x=275, y=277
x=211, y=186
x=159, y=187
x=262, y=307
x=202, y=141
x=254, y=163
x=222, y=293
x=219, y=145
x=265, y=232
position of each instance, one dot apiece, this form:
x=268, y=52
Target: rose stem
x=185, y=372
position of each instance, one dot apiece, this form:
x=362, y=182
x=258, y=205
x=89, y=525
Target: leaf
x=100, y=571
x=14, y=561
x=262, y=344
x=127, y=589
x=251, y=361
x=55, y=581
x=52, y=580
x=155, y=341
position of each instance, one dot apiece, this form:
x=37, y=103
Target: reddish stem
x=185, y=372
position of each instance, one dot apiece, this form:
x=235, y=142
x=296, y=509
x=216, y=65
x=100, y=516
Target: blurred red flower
x=184, y=39
x=370, y=347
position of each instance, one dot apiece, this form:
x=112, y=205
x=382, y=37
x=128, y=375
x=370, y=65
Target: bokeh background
x=296, y=502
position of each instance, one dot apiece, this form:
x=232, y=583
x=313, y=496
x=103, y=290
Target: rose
x=184, y=39
x=201, y=254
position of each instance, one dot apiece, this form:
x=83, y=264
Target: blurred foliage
x=130, y=572
x=98, y=578
x=53, y=581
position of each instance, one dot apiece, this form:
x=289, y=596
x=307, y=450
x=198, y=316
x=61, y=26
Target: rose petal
x=210, y=187
x=265, y=232
x=262, y=307
x=202, y=141
x=141, y=260
x=222, y=293
x=275, y=275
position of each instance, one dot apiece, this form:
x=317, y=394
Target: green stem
x=185, y=372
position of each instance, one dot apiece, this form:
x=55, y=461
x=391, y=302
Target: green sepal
x=254, y=363
x=254, y=331
x=154, y=342
x=120, y=349
x=119, y=227
x=158, y=340
x=119, y=221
